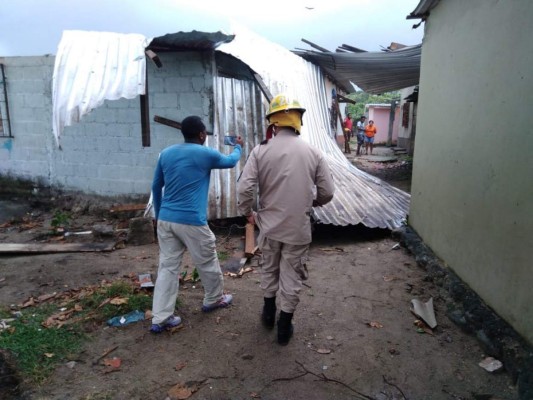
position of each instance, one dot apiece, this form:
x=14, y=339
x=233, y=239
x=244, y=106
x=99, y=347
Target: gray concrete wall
x=102, y=154
x=472, y=191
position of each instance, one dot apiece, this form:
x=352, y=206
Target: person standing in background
x=347, y=129
x=360, y=128
x=370, y=132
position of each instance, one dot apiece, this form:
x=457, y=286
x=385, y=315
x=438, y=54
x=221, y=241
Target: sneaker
x=170, y=322
x=223, y=302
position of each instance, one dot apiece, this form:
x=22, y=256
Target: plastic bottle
x=126, y=319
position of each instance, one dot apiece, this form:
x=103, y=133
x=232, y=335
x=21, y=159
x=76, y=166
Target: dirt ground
x=355, y=336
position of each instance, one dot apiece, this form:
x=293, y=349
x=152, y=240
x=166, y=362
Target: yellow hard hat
x=282, y=102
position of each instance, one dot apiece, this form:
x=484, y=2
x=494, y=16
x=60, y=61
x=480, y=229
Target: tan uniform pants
x=173, y=240
x=283, y=270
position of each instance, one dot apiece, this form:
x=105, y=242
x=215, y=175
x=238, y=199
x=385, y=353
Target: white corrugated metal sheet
x=91, y=67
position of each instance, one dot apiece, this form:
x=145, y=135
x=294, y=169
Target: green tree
x=363, y=98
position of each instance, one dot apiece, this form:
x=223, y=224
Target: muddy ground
x=355, y=336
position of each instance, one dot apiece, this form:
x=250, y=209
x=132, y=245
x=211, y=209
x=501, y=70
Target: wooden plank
x=36, y=248
x=263, y=87
x=171, y=123
x=249, y=245
x=145, y=115
x=128, y=207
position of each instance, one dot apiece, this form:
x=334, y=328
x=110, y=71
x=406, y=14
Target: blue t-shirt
x=184, y=170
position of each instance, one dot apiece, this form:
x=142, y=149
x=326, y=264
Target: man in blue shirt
x=183, y=171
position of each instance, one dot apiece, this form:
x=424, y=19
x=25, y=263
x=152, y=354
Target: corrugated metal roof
x=374, y=72
x=359, y=197
x=422, y=9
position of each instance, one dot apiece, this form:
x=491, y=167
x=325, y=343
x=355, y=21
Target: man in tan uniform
x=291, y=176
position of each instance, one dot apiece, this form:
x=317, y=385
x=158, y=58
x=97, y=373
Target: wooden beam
x=263, y=87
x=344, y=99
x=145, y=115
x=249, y=244
x=154, y=57
x=128, y=207
x=171, y=123
x=315, y=46
x=17, y=248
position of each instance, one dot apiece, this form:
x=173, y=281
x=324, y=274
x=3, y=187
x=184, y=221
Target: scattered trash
x=374, y=324
x=323, y=351
x=145, y=280
x=388, y=278
x=180, y=391
x=180, y=366
x=126, y=319
x=396, y=246
x=4, y=323
x=247, y=357
x=114, y=362
x=105, y=353
x=490, y=364
x=338, y=249
x=422, y=327
x=49, y=355
x=425, y=311
x=329, y=337
x=118, y=301
x=71, y=364
x=67, y=234
x=255, y=395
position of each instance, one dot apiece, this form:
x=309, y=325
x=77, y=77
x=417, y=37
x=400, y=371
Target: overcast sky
x=34, y=27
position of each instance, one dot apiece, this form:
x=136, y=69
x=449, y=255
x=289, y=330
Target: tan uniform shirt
x=286, y=169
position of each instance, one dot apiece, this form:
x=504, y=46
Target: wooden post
x=249, y=244
x=391, y=121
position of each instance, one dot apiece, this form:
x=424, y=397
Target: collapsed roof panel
x=359, y=197
x=373, y=72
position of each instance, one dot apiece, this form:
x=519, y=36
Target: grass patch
x=222, y=255
x=38, y=349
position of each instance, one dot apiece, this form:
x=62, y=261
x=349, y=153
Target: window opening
x=5, y=124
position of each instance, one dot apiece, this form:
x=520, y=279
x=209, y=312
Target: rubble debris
x=141, y=231
x=490, y=364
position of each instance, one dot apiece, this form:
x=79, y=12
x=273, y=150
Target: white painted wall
x=472, y=188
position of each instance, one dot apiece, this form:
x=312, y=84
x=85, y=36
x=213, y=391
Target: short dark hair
x=192, y=126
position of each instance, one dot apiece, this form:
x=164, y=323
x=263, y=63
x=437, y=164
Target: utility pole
x=391, y=120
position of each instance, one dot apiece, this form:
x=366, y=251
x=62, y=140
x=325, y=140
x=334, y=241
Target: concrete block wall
x=103, y=153
x=29, y=94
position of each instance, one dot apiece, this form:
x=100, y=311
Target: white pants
x=173, y=240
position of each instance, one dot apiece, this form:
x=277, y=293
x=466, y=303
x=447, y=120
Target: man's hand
x=239, y=140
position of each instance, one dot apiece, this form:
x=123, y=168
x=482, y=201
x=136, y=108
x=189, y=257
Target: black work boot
x=268, y=317
x=285, y=328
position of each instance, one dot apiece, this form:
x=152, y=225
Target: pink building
x=380, y=114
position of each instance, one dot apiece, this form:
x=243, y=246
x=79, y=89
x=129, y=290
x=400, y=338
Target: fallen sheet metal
x=425, y=311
